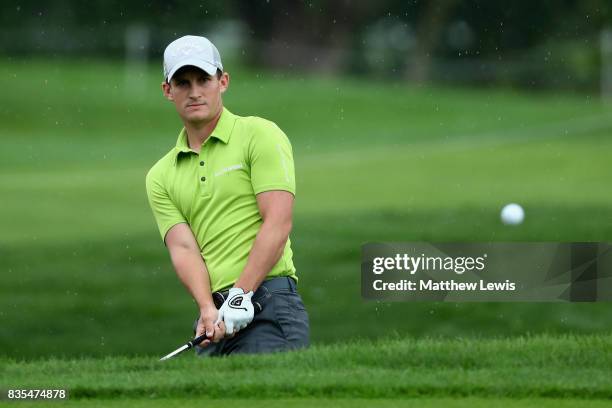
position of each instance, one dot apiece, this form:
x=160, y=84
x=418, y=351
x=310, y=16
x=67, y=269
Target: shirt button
x=201, y=163
x=203, y=178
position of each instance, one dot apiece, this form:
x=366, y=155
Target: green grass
x=520, y=368
x=331, y=402
x=82, y=263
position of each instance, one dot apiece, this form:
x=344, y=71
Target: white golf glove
x=237, y=310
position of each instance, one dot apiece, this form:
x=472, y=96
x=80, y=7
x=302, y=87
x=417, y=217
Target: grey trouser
x=281, y=325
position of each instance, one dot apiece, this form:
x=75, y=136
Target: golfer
x=222, y=199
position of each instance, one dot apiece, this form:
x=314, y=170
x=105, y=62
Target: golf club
x=194, y=342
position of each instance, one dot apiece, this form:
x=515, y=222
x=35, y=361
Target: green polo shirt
x=214, y=191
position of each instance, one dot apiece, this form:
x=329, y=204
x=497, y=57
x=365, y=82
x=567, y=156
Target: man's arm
x=276, y=209
x=270, y=158
x=192, y=271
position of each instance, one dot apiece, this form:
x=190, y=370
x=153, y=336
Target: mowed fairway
x=84, y=271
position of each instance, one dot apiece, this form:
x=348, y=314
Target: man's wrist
x=244, y=287
x=234, y=288
x=206, y=306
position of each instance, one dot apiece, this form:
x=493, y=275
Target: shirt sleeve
x=165, y=212
x=271, y=159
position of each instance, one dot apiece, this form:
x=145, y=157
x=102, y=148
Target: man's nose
x=195, y=92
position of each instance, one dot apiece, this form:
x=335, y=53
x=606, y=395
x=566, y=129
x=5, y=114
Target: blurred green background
x=385, y=150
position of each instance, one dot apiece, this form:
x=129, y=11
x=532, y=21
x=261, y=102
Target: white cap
x=191, y=50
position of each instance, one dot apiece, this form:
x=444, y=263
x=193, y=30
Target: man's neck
x=198, y=132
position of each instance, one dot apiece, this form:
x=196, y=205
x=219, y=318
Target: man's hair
x=218, y=74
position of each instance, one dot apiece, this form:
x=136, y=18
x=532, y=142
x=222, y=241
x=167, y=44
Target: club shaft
x=175, y=352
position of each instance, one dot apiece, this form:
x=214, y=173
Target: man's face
x=196, y=95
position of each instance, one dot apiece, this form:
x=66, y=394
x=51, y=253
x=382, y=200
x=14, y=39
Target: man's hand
x=208, y=323
x=237, y=311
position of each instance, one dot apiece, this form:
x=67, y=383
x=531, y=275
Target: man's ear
x=166, y=91
x=224, y=81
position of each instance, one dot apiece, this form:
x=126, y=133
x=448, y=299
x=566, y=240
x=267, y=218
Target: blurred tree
x=98, y=26
x=431, y=24
x=304, y=29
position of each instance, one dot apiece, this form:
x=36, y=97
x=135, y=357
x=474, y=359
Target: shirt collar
x=222, y=132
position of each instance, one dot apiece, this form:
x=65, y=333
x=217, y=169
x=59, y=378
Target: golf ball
x=512, y=214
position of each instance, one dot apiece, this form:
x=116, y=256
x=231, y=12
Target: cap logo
x=191, y=49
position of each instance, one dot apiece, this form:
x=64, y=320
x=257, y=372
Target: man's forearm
x=191, y=270
x=265, y=253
